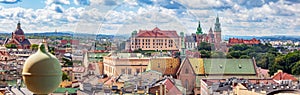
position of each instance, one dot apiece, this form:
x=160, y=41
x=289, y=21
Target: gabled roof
x=283, y=76
x=190, y=39
x=156, y=32
x=170, y=86
x=167, y=66
x=78, y=69
x=198, y=65
x=25, y=42
x=229, y=66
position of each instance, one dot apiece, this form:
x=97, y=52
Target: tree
x=244, y=57
x=287, y=63
x=11, y=46
x=205, y=46
x=205, y=54
x=67, y=62
x=235, y=54
x=217, y=55
x=65, y=76
x=138, y=51
x=34, y=47
x=296, y=68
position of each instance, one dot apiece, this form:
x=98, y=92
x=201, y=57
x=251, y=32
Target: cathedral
x=213, y=36
x=18, y=39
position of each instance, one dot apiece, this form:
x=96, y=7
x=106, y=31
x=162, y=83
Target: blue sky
x=237, y=17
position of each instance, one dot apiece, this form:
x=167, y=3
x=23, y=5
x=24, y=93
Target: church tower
x=182, y=50
x=18, y=33
x=211, y=36
x=217, y=34
x=199, y=29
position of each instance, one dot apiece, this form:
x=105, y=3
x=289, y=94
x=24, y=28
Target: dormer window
x=240, y=66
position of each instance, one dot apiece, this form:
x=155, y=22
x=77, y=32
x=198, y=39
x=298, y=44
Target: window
x=123, y=71
x=186, y=71
x=137, y=71
x=158, y=65
x=186, y=84
x=129, y=71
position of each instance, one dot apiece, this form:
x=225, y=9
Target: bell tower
x=217, y=34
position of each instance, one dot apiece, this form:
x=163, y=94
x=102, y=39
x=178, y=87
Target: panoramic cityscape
x=150, y=47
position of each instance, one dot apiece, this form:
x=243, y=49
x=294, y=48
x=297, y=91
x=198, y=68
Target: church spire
x=210, y=30
x=217, y=25
x=199, y=29
x=19, y=25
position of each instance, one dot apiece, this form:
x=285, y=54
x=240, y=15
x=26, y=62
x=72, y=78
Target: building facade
x=155, y=39
x=234, y=41
x=125, y=63
x=214, y=36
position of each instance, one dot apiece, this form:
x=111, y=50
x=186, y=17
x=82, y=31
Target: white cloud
x=203, y=4
x=9, y=1
x=60, y=2
x=82, y=2
x=109, y=17
x=131, y=2
x=56, y=8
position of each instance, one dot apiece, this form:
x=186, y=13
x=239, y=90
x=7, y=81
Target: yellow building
x=125, y=63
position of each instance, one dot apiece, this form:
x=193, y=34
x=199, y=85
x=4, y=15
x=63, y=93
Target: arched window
x=186, y=84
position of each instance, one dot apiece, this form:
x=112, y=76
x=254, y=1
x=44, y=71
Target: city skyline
x=237, y=17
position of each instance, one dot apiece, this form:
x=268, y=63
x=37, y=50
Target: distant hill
x=271, y=38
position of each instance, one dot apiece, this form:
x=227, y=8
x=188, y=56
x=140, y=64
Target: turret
x=217, y=25
x=199, y=29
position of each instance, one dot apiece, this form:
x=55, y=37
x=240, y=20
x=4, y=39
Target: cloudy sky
x=237, y=17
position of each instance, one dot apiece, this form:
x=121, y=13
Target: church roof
x=19, y=31
x=25, y=42
x=229, y=66
x=6, y=41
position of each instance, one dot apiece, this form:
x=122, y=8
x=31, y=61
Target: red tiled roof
x=283, y=76
x=3, y=53
x=169, y=84
x=78, y=69
x=91, y=67
x=156, y=32
x=63, y=41
x=242, y=41
x=75, y=42
x=264, y=81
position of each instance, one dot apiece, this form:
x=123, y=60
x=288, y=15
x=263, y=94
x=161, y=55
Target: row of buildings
x=157, y=39
x=135, y=73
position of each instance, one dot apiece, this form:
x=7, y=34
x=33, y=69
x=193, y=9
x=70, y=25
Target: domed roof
x=19, y=31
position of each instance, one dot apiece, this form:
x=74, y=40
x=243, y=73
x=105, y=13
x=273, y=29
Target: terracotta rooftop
x=156, y=32
x=78, y=69
x=283, y=76
x=243, y=41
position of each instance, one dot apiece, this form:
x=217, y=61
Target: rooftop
x=229, y=66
